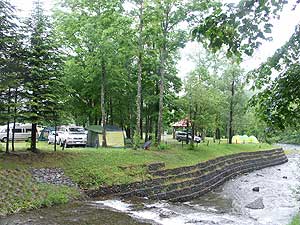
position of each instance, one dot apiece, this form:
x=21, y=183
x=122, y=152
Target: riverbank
x=89, y=168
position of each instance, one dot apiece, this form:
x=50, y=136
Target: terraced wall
x=186, y=183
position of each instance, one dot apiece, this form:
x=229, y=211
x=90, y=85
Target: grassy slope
x=90, y=168
x=93, y=167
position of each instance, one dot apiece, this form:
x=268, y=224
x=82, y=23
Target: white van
x=72, y=136
x=22, y=132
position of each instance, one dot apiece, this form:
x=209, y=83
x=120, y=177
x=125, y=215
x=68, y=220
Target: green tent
x=114, y=136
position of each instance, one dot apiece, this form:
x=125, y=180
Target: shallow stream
x=279, y=189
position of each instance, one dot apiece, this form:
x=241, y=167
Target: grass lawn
x=90, y=168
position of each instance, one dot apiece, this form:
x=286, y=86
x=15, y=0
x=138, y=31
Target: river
x=279, y=190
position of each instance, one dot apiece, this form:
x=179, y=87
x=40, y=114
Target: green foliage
x=239, y=28
x=136, y=141
x=163, y=146
x=296, y=220
x=278, y=104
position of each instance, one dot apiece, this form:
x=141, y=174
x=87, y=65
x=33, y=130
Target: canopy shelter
x=114, y=136
x=184, y=123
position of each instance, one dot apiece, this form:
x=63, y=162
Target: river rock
x=167, y=214
x=51, y=176
x=255, y=189
x=256, y=204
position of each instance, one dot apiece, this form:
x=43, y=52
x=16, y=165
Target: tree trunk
x=111, y=119
x=33, y=137
x=147, y=128
x=8, y=121
x=103, y=73
x=13, y=133
x=55, y=130
x=140, y=70
x=161, y=95
x=230, y=131
x=14, y=121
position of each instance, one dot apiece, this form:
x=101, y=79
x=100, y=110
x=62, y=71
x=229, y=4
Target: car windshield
x=76, y=130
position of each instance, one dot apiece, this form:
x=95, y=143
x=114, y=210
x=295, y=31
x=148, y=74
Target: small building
x=114, y=136
x=184, y=123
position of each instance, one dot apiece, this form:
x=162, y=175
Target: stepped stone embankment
x=185, y=183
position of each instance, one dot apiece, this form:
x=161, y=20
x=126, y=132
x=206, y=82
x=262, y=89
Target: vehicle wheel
x=4, y=139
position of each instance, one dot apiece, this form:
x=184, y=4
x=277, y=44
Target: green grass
x=19, y=192
x=296, y=220
x=91, y=167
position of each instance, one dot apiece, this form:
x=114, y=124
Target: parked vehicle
x=51, y=137
x=182, y=136
x=72, y=136
x=22, y=132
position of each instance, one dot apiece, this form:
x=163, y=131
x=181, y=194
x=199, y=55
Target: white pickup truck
x=72, y=136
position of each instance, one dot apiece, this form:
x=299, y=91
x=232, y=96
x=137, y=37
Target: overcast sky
x=282, y=30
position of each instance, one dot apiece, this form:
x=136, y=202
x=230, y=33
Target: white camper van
x=22, y=132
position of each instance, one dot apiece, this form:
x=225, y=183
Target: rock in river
x=257, y=204
x=255, y=189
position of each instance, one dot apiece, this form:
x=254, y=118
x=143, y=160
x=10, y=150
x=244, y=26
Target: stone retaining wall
x=186, y=183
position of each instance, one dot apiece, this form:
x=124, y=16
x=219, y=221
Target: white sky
x=282, y=30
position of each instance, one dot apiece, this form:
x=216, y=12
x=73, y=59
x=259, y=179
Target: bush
x=162, y=146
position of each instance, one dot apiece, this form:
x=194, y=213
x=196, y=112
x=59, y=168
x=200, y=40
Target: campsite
x=149, y=112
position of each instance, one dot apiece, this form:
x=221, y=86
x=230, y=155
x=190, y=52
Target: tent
x=114, y=136
x=253, y=139
x=236, y=139
x=244, y=139
x=45, y=133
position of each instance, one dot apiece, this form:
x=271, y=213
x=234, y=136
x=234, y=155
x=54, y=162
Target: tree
x=10, y=63
x=234, y=81
x=140, y=71
x=239, y=28
x=101, y=58
x=42, y=73
x=167, y=15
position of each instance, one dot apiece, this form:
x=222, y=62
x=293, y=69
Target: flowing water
x=279, y=189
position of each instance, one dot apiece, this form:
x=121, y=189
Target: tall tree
x=169, y=38
x=140, y=71
x=10, y=62
x=100, y=39
x=42, y=70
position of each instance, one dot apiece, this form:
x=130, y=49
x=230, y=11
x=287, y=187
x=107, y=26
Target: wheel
x=4, y=139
